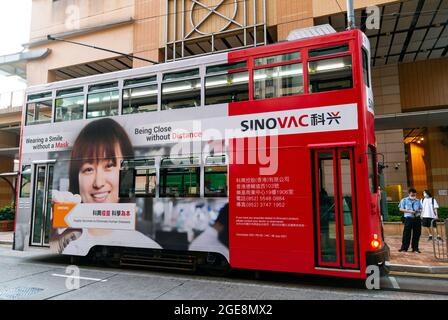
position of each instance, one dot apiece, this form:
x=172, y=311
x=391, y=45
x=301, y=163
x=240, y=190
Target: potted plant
x=7, y=218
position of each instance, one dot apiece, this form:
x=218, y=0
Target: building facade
x=409, y=75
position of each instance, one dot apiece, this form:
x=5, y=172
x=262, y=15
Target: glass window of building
x=185, y=93
x=330, y=74
x=25, y=182
x=102, y=100
x=140, y=95
x=215, y=181
x=278, y=81
x=39, y=109
x=180, y=182
x=69, y=105
x=277, y=58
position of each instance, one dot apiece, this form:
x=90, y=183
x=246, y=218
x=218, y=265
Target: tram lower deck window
x=25, y=183
x=179, y=182
x=215, y=181
x=330, y=74
x=138, y=182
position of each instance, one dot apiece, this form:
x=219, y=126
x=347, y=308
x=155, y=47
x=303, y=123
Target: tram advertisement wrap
x=89, y=209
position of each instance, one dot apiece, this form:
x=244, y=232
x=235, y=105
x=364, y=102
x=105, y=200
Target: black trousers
x=411, y=226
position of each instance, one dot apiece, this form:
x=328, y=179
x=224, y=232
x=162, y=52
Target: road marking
x=394, y=283
x=78, y=277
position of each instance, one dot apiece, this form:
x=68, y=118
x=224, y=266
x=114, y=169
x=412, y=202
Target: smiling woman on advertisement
x=94, y=176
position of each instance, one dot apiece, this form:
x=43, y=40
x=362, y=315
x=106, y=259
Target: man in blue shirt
x=411, y=208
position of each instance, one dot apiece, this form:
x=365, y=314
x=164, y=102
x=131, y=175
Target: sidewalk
x=423, y=262
x=6, y=238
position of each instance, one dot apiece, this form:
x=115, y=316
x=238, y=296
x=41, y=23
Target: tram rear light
x=375, y=243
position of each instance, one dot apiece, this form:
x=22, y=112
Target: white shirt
x=428, y=209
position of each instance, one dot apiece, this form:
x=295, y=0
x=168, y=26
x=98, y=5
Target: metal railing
x=12, y=101
x=440, y=245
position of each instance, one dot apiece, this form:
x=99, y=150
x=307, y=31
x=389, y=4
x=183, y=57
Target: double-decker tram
x=262, y=159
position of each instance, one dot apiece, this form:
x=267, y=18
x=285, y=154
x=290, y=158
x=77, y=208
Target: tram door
x=41, y=218
x=335, y=213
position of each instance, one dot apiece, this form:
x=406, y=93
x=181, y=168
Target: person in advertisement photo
x=94, y=170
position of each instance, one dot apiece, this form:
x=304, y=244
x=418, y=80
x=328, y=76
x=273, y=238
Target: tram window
x=365, y=67
x=181, y=94
x=277, y=58
x=102, y=100
x=226, y=88
x=179, y=182
x=227, y=67
x=25, y=183
x=140, y=99
x=330, y=74
x=136, y=180
x=145, y=183
x=140, y=81
x=127, y=183
x=215, y=181
x=69, y=105
x=373, y=185
x=181, y=74
x=278, y=81
x=39, y=112
x=319, y=52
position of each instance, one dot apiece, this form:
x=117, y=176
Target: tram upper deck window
x=330, y=74
x=277, y=58
x=39, y=108
x=320, y=52
x=69, y=104
x=227, y=83
x=181, y=90
x=102, y=100
x=280, y=81
x=180, y=177
x=140, y=95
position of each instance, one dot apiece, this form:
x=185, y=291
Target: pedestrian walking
x=429, y=215
x=411, y=208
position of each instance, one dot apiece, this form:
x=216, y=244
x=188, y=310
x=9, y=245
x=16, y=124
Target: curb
x=418, y=269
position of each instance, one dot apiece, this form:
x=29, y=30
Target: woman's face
x=99, y=181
